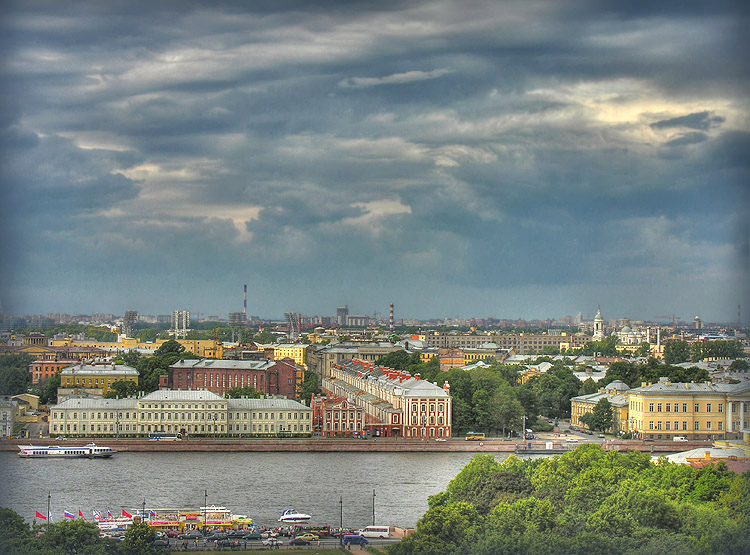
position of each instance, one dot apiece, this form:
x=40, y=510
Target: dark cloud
x=701, y=121
x=688, y=139
x=475, y=158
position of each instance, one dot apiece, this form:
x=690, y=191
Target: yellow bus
x=474, y=436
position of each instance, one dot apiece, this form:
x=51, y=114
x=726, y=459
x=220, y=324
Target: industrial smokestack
x=244, y=305
x=390, y=326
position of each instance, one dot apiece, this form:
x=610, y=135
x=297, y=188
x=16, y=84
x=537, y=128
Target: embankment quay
x=379, y=445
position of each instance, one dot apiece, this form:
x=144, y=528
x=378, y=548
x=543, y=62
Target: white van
x=375, y=532
x=679, y=438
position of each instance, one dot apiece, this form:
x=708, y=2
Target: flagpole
x=49, y=496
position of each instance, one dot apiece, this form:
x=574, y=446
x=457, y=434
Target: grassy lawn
x=310, y=550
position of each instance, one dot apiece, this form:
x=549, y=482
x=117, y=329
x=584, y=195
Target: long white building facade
x=190, y=413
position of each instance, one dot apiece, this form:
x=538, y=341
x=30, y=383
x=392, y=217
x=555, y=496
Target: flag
x=40, y=515
x=50, y=519
x=126, y=514
x=151, y=513
x=69, y=515
x=109, y=515
x=80, y=514
x=97, y=515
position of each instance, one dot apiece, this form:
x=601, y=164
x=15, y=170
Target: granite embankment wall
x=381, y=445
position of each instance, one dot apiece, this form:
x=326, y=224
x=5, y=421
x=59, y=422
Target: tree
x=47, y=390
x=310, y=386
x=602, y=415
x=739, y=365
x=74, y=536
x=139, y=540
x=588, y=387
x=170, y=347
x=398, y=360
x=131, y=358
x=644, y=350
x=121, y=389
x=247, y=391
x=14, y=532
x=264, y=337
x=15, y=377
x=676, y=352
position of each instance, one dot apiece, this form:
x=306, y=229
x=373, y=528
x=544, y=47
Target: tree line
x=585, y=501
x=70, y=537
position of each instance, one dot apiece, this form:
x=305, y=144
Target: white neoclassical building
x=190, y=413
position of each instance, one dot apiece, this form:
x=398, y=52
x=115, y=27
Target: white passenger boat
x=292, y=516
x=90, y=451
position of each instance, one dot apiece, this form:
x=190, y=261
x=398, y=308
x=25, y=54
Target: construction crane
x=673, y=317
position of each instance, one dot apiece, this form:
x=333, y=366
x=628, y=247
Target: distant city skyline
x=507, y=159
x=585, y=317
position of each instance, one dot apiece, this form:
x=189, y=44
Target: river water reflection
x=260, y=485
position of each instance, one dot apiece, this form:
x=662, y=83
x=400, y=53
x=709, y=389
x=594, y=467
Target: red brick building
x=335, y=416
x=218, y=376
x=40, y=370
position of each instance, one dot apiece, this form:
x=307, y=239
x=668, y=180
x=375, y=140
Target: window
x=684, y=425
x=708, y=425
x=697, y=426
x=668, y=407
x=684, y=407
x=650, y=407
x=667, y=425
x=708, y=407
x=721, y=426
x=721, y=407
x=651, y=425
x=658, y=407
x=696, y=408
x=676, y=425
x=658, y=425
x=677, y=407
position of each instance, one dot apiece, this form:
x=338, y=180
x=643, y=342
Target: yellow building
x=693, y=410
x=98, y=377
x=295, y=351
x=617, y=395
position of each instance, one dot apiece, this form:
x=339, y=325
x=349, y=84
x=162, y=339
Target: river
x=260, y=485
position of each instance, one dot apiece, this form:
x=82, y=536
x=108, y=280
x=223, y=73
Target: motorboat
x=89, y=451
x=292, y=516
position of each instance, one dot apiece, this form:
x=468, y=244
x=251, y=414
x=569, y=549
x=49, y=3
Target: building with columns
x=663, y=410
x=190, y=413
x=395, y=403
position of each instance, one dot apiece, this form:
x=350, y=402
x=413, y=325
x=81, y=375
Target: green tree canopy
x=246, y=391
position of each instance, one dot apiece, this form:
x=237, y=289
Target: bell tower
x=598, y=325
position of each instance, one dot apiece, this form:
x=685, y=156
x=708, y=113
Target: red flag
x=126, y=514
x=80, y=514
x=40, y=515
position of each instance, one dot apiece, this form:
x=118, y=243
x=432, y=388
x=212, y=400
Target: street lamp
x=373, y=507
x=341, y=503
x=216, y=417
x=205, y=510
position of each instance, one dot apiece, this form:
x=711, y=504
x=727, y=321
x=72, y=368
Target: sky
x=472, y=159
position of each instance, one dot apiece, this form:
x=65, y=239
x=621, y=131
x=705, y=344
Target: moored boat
x=89, y=451
x=292, y=516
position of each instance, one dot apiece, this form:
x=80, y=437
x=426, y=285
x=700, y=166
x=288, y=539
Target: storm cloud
x=526, y=159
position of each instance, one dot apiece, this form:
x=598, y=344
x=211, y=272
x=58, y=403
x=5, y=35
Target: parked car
x=354, y=539
x=191, y=535
x=217, y=536
x=173, y=534
x=251, y=536
x=298, y=541
x=309, y=537
x=272, y=542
